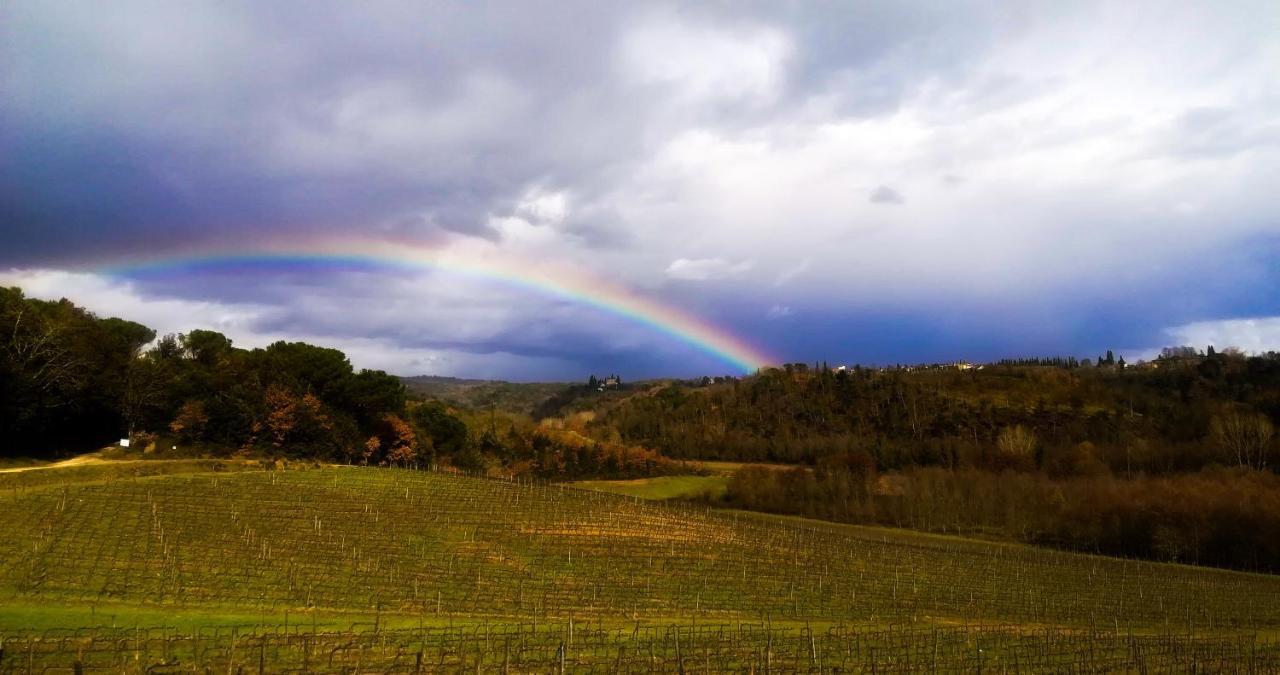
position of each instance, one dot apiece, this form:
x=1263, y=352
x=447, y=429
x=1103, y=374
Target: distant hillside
x=538, y=400
x=1180, y=414
x=521, y=397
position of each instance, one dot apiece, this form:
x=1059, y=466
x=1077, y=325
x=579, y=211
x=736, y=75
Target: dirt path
x=81, y=460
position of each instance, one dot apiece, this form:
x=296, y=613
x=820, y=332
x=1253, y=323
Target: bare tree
x=36, y=348
x=1016, y=441
x=1246, y=434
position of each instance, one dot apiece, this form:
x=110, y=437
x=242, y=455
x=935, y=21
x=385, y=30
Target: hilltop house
x=610, y=382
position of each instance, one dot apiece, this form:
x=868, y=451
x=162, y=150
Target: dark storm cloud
x=154, y=124
x=1076, y=156
x=144, y=122
x=531, y=337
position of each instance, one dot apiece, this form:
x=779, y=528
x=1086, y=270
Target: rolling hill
x=361, y=568
x=519, y=397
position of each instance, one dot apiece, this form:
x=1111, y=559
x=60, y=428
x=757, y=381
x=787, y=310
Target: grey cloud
x=292, y=116
x=885, y=195
x=601, y=231
x=1222, y=132
x=145, y=126
x=225, y=118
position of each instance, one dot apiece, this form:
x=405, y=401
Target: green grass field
x=661, y=487
x=201, y=566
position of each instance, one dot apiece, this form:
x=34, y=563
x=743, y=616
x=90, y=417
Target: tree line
x=1221, y=517
x=1187, y=414
x=72, y=381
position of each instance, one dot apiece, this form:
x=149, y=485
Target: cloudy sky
x=869, y=182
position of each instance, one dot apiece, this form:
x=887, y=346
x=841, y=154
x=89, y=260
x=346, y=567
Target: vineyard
x=380, y=570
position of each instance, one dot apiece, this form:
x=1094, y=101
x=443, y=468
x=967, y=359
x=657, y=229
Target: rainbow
x=540, y=277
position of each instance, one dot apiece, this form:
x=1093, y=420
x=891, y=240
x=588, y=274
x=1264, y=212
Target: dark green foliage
x=63, y=374
x=206, y=347
x=69, y=381
x=372, y=394
x=72, y=381
x=447, y=434
x=302, y=367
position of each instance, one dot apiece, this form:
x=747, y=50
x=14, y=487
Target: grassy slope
x=17, y=482
x=370, y=566
x=20, y=463
x=367, y=540
x=677, y=487
x=661, y=487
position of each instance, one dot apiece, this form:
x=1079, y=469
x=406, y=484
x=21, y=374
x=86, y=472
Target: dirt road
x=81, y=460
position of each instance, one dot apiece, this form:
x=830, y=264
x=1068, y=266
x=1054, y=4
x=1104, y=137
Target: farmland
x=215, y=565
x=661, y=487
x=709, y=484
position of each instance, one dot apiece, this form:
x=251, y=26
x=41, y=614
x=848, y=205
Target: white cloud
x=706, y=63
x=778, y=312
x=543, y=207
x=106, y=297
x=1068, y=168
x=1259, y=334
x=791, y=273
x=519, y=233
x=705, y=269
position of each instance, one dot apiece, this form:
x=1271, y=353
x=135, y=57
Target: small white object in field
x=124, y=442
x=175, y=447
